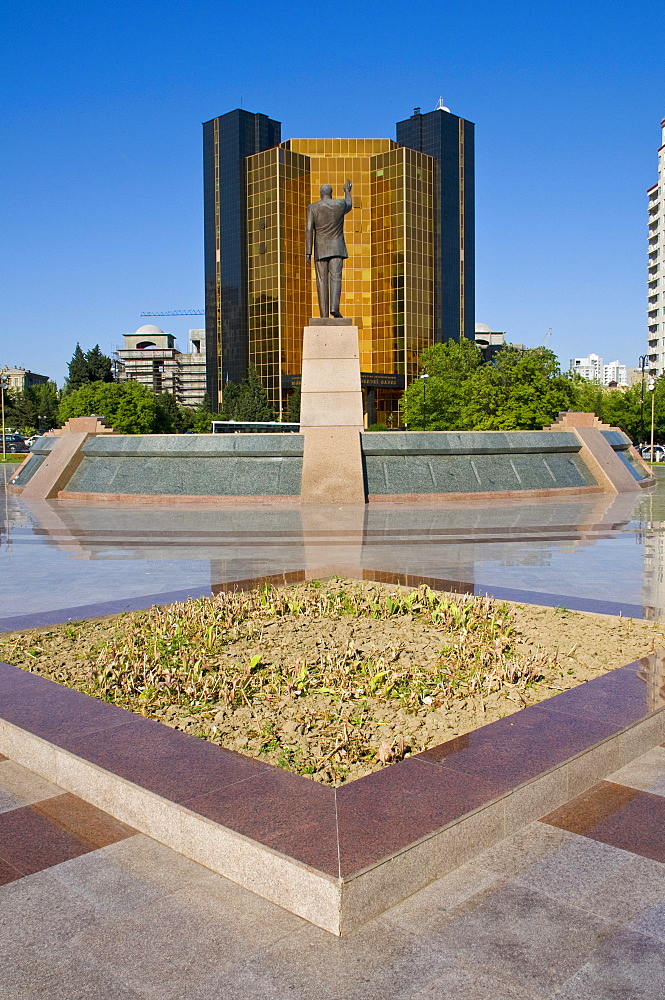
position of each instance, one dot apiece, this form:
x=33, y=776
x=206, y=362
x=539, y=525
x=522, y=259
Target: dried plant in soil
x=173, y=654
x=332, y=709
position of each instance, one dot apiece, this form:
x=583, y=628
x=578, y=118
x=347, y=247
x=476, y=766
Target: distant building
x=409, y=278
x=590, y=368
x=655, y=254
x=612, y=375
x=486, y=337
x=151, y=357
x=21, y=378
x=488, y=340
x=615, y=374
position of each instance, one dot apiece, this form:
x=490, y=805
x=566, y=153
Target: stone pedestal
x=331, y=414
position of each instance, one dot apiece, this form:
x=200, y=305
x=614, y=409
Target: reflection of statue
x=325, y=225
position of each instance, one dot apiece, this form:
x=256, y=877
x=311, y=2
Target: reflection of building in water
x=653, y=673
x=653, y=543
x=650, y=515
x=449, y=545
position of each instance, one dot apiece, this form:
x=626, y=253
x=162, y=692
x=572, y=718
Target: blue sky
x=101, y=165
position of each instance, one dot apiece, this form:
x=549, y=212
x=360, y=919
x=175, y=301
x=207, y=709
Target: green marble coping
x=468, y=442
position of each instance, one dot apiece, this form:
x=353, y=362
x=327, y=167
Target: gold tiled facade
x=278, y=288
x=388, y=282
x=402, y=256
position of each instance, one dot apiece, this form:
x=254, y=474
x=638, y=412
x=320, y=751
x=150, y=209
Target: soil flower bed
x=335, y=679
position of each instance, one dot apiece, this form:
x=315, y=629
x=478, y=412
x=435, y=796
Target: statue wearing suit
x=325, y=236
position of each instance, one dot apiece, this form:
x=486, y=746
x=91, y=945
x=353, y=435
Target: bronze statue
x=325, y=226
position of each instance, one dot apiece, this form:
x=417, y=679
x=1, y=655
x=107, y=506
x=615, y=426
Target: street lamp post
x=424, y=381
x=652, y=390
x=642, y=360
x=2, y=398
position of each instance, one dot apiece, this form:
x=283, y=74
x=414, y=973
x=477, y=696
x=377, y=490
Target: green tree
x=43, y=401
x=167, y=403
x=78, y=371
x=247, y=401
x=93, y=366
x=34, y=408
x=177, y=418
x=438, y=402
x=623, y=408
x=100, y=367
x=11, y=409
x=202, y=417
x=129, y=407
x=293, y=408
x=588, y=397
x=522, y=390
x=252, y=402
x=517, y=390
x=230, y=395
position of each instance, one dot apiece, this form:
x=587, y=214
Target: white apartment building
x=655, y=258
x=593, y=369
x=590, y=368
x=614, y=372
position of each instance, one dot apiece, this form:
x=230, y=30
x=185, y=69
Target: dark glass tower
x=227, y=142
x=450, y=141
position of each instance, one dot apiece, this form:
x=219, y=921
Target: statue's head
x=325, y=191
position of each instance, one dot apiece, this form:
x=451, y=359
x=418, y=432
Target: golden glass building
x=259, y=300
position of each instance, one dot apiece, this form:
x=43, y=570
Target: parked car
x=658, y=452
x=14, y=444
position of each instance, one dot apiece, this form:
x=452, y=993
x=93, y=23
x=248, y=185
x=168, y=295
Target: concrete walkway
x=573, y=908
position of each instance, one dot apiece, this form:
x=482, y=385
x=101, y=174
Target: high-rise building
x=655, y=257
x=590, y=368
x=615, y=374
x=227, y=142
x=450, y=141
x=593, y=370
x=408, y=281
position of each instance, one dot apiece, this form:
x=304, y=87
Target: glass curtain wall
x=402, y=260
x=332, y=161
x=227, y=142
x=388, y=284
x=278, y=287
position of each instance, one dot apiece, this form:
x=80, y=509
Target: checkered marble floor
x=572, y=907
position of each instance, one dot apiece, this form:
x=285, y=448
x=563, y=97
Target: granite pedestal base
x=331, y=414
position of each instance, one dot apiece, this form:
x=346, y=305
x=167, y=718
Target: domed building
x=151, y=357
x=488, y=340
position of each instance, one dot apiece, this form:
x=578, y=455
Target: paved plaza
x=92, y=910
x=573, y=906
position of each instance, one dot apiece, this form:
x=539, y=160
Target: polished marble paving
x=571, y=907
x=528, y=761
x=62, y=560
x=42, y=826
